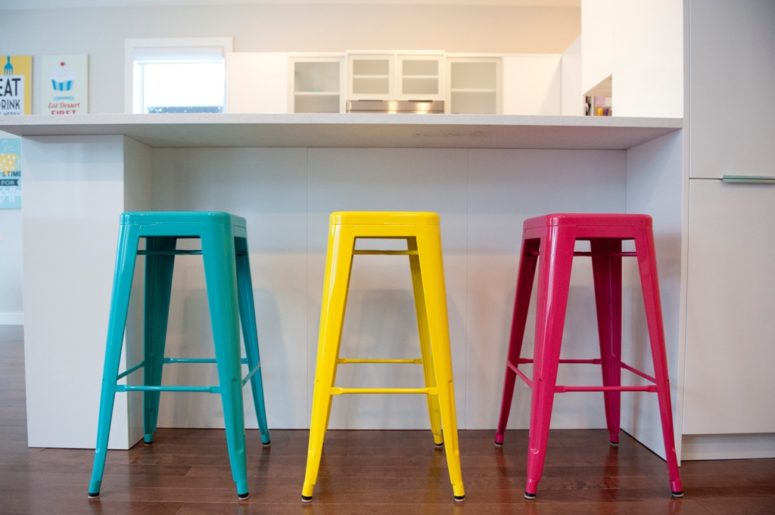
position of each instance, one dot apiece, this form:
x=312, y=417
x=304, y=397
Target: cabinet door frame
x=474, y=58
x=378, y=55
x=431, y=55
x=295, y=58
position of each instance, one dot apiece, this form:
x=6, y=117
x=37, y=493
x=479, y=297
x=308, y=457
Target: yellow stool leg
x=425, y=349
x=429, y=250
x=341, y=242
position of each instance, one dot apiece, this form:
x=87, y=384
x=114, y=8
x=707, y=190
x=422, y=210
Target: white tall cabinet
x=730, y=318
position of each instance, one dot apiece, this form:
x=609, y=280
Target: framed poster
x=16, y=84
x=10, y=173
x=62, y=85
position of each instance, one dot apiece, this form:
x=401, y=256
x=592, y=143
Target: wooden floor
x=186, y=471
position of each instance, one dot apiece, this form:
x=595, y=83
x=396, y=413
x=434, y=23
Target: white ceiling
x=49, y=4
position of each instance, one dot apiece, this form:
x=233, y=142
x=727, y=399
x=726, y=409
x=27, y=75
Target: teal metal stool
x=230, y=297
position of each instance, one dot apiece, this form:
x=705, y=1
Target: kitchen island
x=285, y=174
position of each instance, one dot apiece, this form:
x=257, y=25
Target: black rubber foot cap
x=677, y=495
x=439, y=445
x=304, y=498
x=267, y=444
x=92, y=495
x=529, y=496
x=460, y=498
x=244, y=496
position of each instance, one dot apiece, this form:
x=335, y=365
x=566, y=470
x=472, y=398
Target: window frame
x=225, y=43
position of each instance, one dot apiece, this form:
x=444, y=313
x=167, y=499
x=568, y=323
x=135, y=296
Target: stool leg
x=250, y=335
x=427, y=356
x=527, y=267
x=432, y=270
x=220, y=277
x=647, y=266
x=607, y=273
x=119, y=305
x=554, y=272
x=158, y=287
x=339, y=256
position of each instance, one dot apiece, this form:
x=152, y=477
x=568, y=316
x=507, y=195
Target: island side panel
x=73, y=196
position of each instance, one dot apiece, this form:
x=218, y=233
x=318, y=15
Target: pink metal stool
x=553, y=237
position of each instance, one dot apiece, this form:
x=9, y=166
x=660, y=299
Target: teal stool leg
x=250, y=335
x=119, y=304
x=158, y=287
x=220, y=277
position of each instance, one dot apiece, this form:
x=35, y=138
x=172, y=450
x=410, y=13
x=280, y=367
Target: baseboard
x=728, y=447
x=11, y=318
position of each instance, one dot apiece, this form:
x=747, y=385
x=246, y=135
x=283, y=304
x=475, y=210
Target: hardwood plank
x=186, y=472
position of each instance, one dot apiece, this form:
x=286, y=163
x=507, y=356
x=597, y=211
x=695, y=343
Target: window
x=176, y=75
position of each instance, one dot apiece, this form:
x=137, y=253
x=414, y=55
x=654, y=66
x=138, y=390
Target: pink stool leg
x=527, y=267
x=607, y=272
x=554, y=272
x=647, y=265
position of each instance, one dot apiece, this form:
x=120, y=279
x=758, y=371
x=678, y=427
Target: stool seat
x=552, y=237
x=423, y=240
x=383, y=218
x=166, y=221
x=588, y=219
x=224, y=250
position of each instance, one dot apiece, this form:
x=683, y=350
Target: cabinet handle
x=748, y=179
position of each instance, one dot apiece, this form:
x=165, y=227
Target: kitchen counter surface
x=353, y=130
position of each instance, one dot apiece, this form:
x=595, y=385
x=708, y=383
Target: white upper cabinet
x=420, y=77
x=316, y=84
x=474, y=85
x=395, y=76
x=370, y=76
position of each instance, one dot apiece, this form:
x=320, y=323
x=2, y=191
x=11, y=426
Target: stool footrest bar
x=143, y=388
x=590, y=254
x=411, y=361
x=386, y=252
x=189, y=360
x=564, y=389
x=169, y=252
x=174, y=361
x=341, y=391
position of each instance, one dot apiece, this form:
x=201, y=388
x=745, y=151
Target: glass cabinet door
x=317, y=84
x=420, y=77
x=370, y=76
x=474, y=85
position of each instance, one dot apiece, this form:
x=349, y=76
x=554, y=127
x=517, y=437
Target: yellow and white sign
x=16, y=84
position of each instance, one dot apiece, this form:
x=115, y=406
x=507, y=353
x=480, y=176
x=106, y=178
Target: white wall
x=597, y=41
x=639, y=43
x=100, y=32
x=532, y=84
x=572, y=94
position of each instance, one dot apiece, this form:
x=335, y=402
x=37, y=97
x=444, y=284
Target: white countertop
x=353, y=130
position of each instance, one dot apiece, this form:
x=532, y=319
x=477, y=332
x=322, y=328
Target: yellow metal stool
x=421, y=232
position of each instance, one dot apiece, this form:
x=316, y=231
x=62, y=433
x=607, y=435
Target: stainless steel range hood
x=396, y=106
